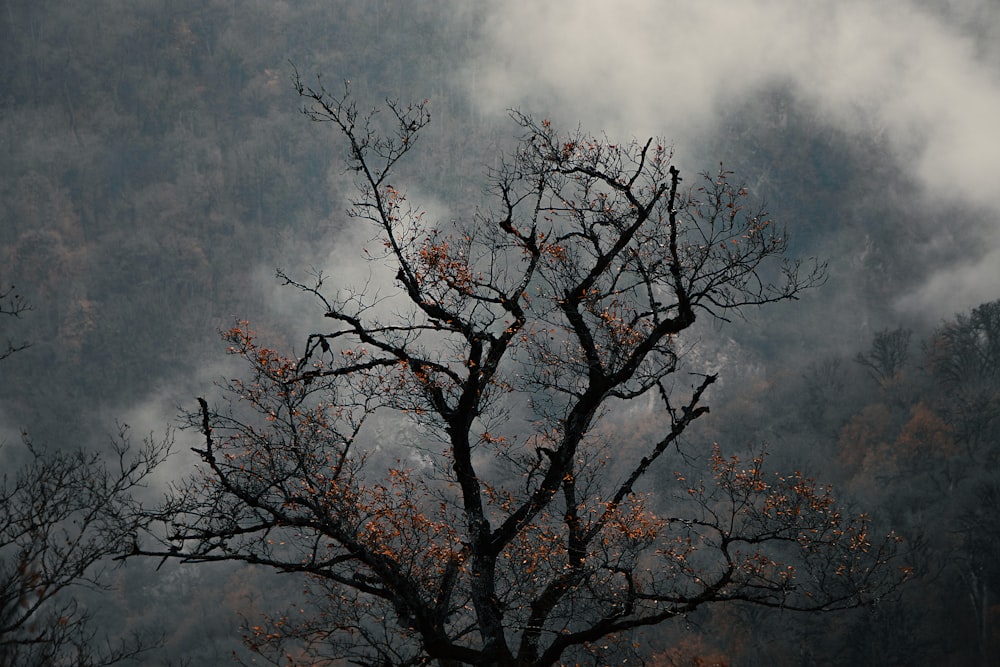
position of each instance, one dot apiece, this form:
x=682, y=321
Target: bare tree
x=515, y=528
x=978, y=566
x=967, y=349
x=63, y=516
x=964, y=359
x=887, y=356
x=12, y=304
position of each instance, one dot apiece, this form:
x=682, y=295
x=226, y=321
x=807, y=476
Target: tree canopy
x=63, y=516
x=513, y=525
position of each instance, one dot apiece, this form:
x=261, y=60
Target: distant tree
x=964, y=359
x=979, y=568
x=968, y=348
x=63, y=516
x=887, y=356
x=823, y=393
x=927, y=459
x=513, y=527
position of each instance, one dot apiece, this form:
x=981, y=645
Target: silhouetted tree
x=887, y=356
x=964, y=359
x=511, y=526
x=63, y=516
x=12, y=304
x=981, y=542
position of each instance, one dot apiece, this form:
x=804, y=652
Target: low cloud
x=956, y=289
x=924, y=79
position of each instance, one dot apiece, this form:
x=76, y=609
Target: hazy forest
x=179, y=243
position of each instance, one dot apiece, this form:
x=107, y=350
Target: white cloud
x=956, y=289
x=924, y=78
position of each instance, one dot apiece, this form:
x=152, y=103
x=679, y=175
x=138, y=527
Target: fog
x=924, y=83
x=157, y=171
